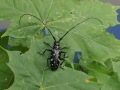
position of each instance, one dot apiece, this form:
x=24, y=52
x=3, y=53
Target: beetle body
x=54, y=61
x=55, y=57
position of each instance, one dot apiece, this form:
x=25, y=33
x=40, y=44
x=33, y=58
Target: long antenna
x=51, y=33
x=39, y=20
x=77, y=25
x=30, y=15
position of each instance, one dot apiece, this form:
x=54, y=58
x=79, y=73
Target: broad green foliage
x=6, y=75
x=30, y=74
x=106, y=75
x=91, y=38
x=25, y=42
x=3, y=40
x=67, y=14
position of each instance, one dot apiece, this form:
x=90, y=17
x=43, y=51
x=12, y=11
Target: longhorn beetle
x=56, y=50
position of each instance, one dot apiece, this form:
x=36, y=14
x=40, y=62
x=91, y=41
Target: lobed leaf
x=91, y=38
x=6, y=75
x=30, y=74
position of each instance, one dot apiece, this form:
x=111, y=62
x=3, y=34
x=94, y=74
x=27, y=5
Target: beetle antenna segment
x=39, y=20
x=77, y=25
x=51, y=33
x=30, y=15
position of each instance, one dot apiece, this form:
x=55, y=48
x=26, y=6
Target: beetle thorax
x=56, y=45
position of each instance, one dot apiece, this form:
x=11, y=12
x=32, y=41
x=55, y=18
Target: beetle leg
x=62, y=63
x=47, y=44
x=44, y=51
x=47, y=64
x=65, y=48
x=64, y=54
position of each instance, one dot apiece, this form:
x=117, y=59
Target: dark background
x=114, y=2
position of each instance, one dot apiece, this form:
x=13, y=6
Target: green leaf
x=12, y=9
x=29, y=74
x=61, y=15
x=6, y=75
x=95, y=46
x=3, y=40
x=25, y=42
x=116, y=66
x=100, y=68
x=105, y=74
x=108, y=82
x=19, y=44
x=89, y=37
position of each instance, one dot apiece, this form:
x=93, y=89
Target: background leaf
x=30, y=74
x=91, y=38
x=6, y=75
x=65, y=16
